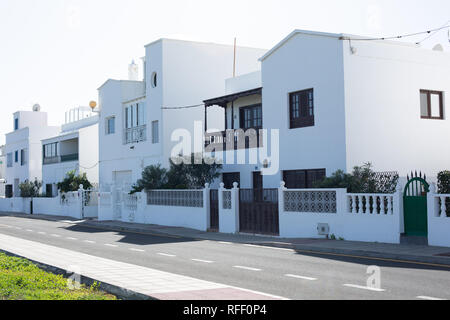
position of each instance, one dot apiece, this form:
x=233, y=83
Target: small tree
x=179, y=176
x=153, y=177
x=72, y=182
x=193, y=175
x=30, y=189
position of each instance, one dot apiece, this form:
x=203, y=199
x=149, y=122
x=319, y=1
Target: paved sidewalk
x=128, y=277
x=404, y=252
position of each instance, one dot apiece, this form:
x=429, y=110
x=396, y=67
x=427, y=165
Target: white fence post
x=80, y=201
x=206, y=205
x=220, y=200
x=342, y=203
x=397, y=209
x=235, y=205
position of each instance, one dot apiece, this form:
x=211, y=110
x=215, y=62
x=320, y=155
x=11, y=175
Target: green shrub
x=179, y=176
x=362, y=180
x=30, y=189
x=72, y=182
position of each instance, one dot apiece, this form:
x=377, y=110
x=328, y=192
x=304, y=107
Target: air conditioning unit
x=323, y=229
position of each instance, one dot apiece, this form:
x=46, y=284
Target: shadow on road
x=130, y=237
x=369, y=261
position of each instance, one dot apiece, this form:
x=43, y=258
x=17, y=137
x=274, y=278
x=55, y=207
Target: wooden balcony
x=234, y=139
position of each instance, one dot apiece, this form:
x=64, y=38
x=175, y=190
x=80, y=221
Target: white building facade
x=75, y=148
x=23, y=149
x=138, y=118
x=338, y=104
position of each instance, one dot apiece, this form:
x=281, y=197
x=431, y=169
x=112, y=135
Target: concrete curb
x=406, y=258
x=120, y=292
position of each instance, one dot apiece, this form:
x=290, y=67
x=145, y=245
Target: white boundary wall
x=438, y=222
x=17, y=205
x=134, y=208
x=355, y=223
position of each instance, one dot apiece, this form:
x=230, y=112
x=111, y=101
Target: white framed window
x=9, y=160
x=110, y=125
x=155, y=131
x=135, y=115
x=23, y=157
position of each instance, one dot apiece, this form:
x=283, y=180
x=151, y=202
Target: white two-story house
x=74, y=148
x=23, y=148
x=339, y=101
x=139, y=120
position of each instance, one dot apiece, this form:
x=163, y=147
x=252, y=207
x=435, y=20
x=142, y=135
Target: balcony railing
x=242, y=139
x=63, y=158
x=69, y=157
x=137, y=134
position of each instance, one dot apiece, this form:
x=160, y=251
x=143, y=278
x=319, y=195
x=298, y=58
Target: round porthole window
x=154, y=79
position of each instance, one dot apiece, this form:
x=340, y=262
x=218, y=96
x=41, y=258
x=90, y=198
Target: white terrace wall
x=16, y=205
x=348, y=216
x=178, y=208
x=67, y=205
x=175, y=208
x=438, y=220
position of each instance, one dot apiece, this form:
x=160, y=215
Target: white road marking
x=428, y=298
x=362, y=287
x=200, y=260
x=138, y=250
x=89, y=241
x=110, y=245
x=18, y=228
x=42, y=232
x=29, y=230
x=71, y=238
x=166, y=254
x=300, y=277
x=225, y=242
x=247, y=268
x=55, y=235
x=267, y=247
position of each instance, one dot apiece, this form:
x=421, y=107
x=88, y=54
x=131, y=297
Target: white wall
x=88, y=152
x=305, y=62
x=382, y=97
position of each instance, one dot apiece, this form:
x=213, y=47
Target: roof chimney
x=133, y=71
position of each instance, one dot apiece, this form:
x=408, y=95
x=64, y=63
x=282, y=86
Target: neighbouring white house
x=2, y=170
x=24, y=150
x=138, y=119
x=74, y=148
x=338, y=101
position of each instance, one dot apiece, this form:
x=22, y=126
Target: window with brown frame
x=303, y=179
x=301, y=109
x=431, y=105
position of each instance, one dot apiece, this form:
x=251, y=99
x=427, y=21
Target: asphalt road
x=277, y=271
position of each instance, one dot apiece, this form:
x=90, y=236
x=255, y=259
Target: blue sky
x=58, y=52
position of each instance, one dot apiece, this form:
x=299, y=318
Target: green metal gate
x=415, y=206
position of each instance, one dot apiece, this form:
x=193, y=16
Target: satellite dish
x=438, y=47
x=36, y=108
x=92, y=104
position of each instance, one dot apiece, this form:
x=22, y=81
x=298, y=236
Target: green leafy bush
x=30, y=189
x=362, y=180
x=179, y=176
x=72, y=182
